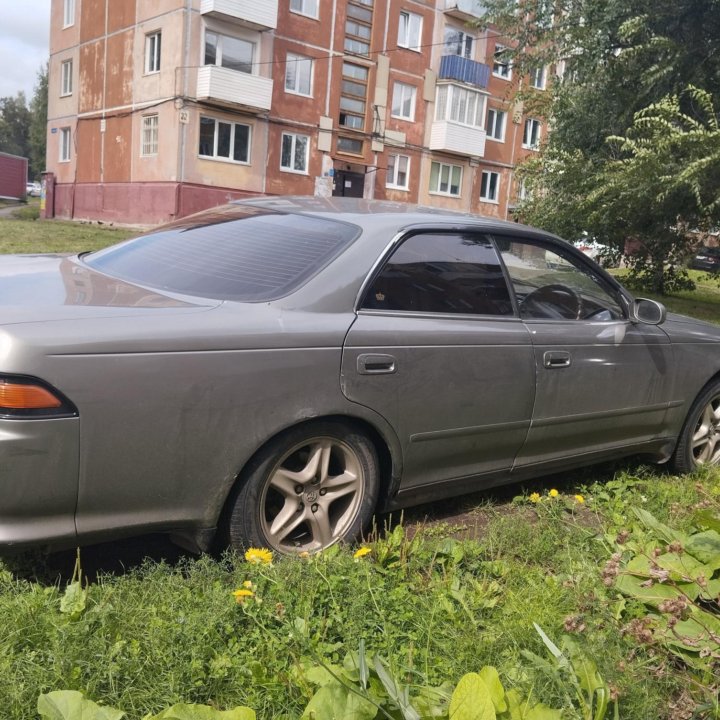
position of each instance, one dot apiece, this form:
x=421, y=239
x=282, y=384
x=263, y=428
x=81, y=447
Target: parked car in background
x=706, y=258
x=33, y=189
x=275, y=371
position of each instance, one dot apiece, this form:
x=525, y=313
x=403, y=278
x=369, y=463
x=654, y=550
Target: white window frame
x=305, y=7
x=153, y=50
x=65, y=150
x=492, y=124
x=300, y=62
x=502, y=70
x=392, y=176
x=451, y=105
x=464, y=39
x=66, y=78
x=400, y=97
x=410, y=28
x=216, y=136
x=532, y=134
x=149, y=136
x=68, y=13
x=490, y=196
x=538, y=77
x=442, y=166
x=293, y=147
x=219, y=49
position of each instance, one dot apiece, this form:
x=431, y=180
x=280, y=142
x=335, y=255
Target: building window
x=305, y=7
x=460, y=105
x=353, y=93
x=445, y=179
x=358, y=27
x=350, y=145
x=524, y=192
x=66, y=78
x=65, y=138
x=458, y=42
x=398, y=172
x=152, y=52
x=298, y=74
x=149, y=135
x=501, y=63
x=489, y=186
x=223, y=140
x=537, y=78
x=496, y=124
x=229, y=52
x=294, y=153
x=531, y=135
x=403, y=101
x=69, y=13
x=410, y=31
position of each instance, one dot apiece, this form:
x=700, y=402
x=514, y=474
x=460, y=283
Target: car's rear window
x=239, y=254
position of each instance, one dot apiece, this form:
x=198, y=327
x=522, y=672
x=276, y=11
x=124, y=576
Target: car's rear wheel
x=307, y=489
x=699, y=442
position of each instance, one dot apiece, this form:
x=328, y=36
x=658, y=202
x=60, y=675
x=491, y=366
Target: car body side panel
x=461, y=393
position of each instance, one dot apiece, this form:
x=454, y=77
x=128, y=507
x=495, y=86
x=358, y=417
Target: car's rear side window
x=442, y=273
x=251, y=257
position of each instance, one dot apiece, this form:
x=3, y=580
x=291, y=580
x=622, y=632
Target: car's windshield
x=234, y=253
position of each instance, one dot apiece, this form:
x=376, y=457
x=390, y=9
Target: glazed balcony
x=452, y=137
x=232, y=88
x=455, y=67
x=465, y=9
x=251, y=13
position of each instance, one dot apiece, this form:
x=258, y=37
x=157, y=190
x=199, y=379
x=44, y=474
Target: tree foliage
x=632, y=158
x=38, y=123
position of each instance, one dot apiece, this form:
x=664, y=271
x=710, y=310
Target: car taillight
x=26, y=397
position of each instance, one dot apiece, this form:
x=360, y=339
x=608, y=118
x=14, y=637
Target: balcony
x=455, y=67
x=451, y=137
x=260, y=15
x=465, y=9
x=234, y=89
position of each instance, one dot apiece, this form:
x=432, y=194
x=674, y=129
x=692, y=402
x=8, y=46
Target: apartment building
x=160, y=108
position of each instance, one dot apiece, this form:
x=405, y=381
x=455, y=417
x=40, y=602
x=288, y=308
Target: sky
x=24, y=39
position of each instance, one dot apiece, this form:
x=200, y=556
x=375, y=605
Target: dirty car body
x=275, y=371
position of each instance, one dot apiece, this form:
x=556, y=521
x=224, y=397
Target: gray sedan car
x=275, y=371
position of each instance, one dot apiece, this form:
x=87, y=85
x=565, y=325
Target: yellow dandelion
x=304, y=555
x=579, y=499
x=553, y=493
x=242, y=595
x=259, y=556
x=361, y=552
x=535, y=498
x=248, y=584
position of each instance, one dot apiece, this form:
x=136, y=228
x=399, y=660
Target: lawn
x=592, y=595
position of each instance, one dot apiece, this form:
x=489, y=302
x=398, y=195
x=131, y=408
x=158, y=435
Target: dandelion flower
x=579, y=499
x=248, y=584
x=535, y=497
x=304, y=555
x=242, y=595
x=361, y=552
x=553, y=493
x=259, y=556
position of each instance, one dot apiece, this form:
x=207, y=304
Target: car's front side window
x=551, y=285
x=438, y=272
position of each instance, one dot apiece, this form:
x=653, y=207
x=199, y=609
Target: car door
x=437, y=351
x=602, y=381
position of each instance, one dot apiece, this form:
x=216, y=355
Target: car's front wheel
x=306, y=490
x=699, y=442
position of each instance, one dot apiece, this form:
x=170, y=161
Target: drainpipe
x=182, y=127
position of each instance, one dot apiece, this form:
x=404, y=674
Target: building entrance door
x=348, y=184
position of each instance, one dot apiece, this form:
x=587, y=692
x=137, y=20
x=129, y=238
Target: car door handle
x=553, y=359
x=371, y=364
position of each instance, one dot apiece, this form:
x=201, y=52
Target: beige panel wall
x=164, y=165
x=63, y=38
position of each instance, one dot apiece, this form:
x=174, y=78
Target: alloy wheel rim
x=312, y=496
x=706, y=438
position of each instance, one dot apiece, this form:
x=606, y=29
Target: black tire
x=699, y=441
x=307, y=489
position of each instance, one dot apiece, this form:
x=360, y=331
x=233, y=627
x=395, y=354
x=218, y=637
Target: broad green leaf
x=202, y=712
x=73, y=705
x=705, y=546
x=517, y=707
x=471, y=700
x=396, y=694
x=335, y=702
x=662, y=531
x=73, y=600
x=708, y=519
x=489, y=675
x=542, y=712
x=657, y=592
x=323, y=674
x=683, y=568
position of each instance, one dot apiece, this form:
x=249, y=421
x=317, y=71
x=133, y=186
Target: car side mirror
x=649, y=312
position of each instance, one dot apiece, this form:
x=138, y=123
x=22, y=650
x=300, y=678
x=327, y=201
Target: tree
x=622, y=122
x=14, y=125
x=38, y=123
